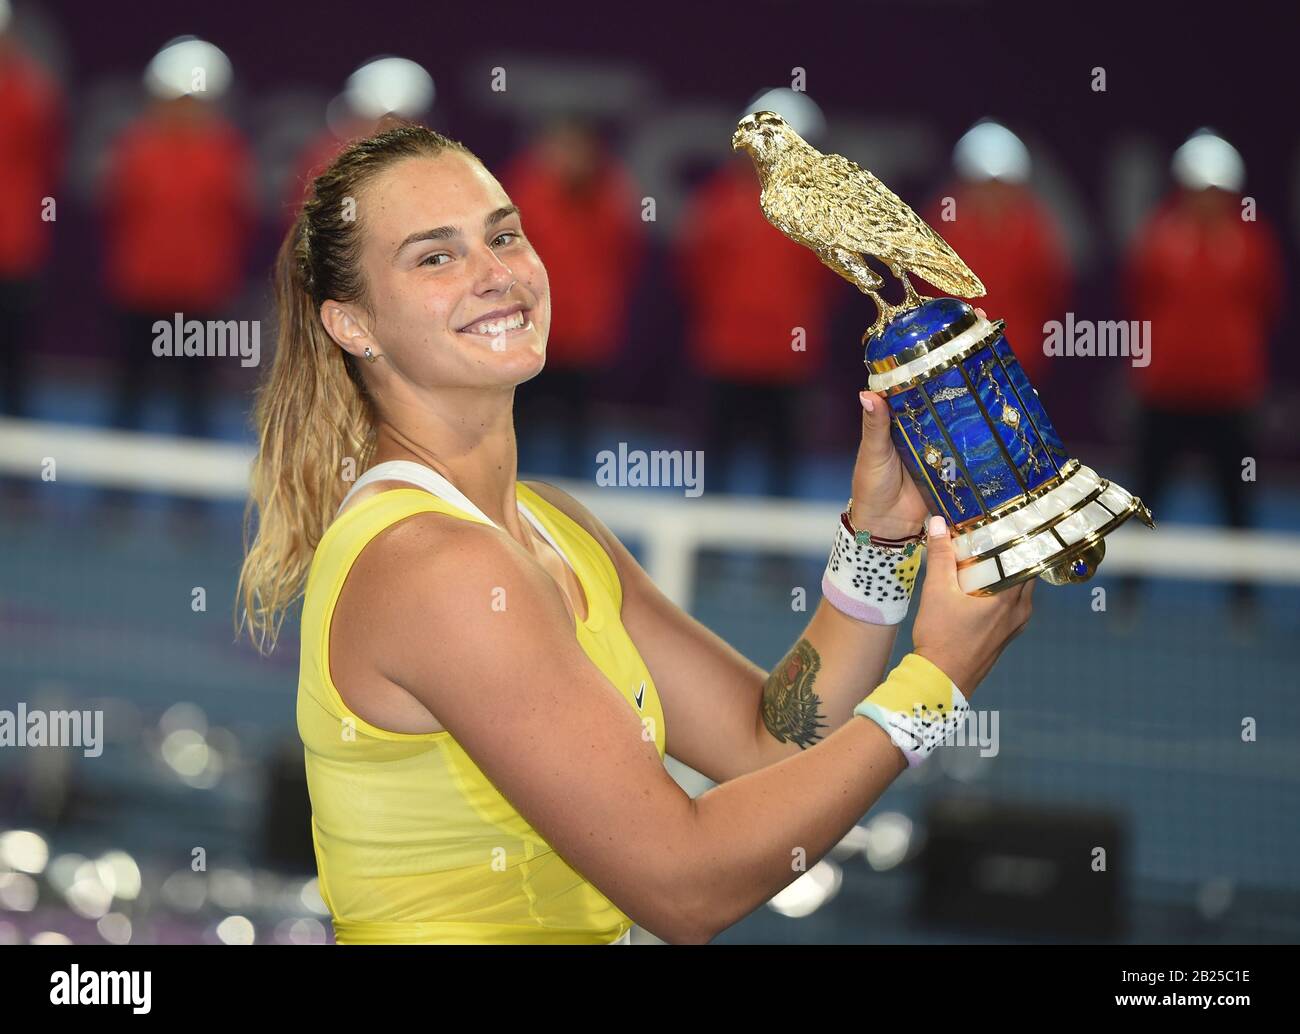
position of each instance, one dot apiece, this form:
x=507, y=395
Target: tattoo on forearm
x=789, y=703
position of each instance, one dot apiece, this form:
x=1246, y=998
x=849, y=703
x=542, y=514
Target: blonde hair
x=311, y=410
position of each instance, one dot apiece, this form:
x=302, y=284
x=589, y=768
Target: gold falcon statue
x=841, y=211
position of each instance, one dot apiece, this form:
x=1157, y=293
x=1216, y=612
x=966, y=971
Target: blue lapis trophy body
x=974, y=436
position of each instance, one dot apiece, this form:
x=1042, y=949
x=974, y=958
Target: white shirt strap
x=418, y=474
x=431, y=481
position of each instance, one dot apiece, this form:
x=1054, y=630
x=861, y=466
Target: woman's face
x=460, y=298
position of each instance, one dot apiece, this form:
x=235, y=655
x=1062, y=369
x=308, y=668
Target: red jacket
x=1020, y=259
x=179, y=209
x=31, y=141
x=747, y=286
x=591, y=244
x=1212, y=290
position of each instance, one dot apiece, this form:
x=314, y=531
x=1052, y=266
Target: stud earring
x=370, y=356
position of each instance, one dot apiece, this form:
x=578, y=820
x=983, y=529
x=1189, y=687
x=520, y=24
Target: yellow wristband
x=917, y=705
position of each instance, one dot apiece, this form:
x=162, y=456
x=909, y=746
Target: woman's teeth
x=493, y=327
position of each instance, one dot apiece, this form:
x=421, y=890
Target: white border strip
x=924, y=363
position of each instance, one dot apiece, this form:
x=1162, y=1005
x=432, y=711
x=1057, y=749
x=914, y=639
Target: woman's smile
x=517, y=323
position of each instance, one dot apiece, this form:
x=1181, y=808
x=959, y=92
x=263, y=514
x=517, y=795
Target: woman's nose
x=495, y=274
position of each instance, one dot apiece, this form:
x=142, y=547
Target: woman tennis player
x=489, y=681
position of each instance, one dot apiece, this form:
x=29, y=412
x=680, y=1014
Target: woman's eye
x=442, y=254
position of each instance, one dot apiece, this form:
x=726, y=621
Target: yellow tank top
x=414, y=844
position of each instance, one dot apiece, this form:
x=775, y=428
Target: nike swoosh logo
x=640, y=695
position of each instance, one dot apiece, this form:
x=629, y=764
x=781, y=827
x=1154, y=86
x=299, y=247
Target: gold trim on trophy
x=1006, y=509
x=906, y=355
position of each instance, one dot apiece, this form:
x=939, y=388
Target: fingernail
x=938, y=527
x=868, y=401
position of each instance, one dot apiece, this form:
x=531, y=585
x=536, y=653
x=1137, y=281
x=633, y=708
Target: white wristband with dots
x=869, y=583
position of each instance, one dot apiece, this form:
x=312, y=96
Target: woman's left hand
x=885, y=499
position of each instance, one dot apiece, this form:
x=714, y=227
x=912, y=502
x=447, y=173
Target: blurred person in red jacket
x=31, y=146
x=582, y=214
x=179, y=209
x=992, y=219
x=1208, y=276
x=747, y=287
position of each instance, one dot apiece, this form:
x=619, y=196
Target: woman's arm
x=813, y=690
x=725, y=715
x=545, y=725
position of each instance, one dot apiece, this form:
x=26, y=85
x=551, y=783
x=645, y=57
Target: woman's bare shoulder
x=399, y=556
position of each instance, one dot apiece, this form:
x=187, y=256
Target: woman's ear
x=343, y=324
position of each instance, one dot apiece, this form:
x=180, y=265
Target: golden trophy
x=965, y=419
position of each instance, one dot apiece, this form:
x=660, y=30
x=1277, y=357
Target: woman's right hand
x=964, y=635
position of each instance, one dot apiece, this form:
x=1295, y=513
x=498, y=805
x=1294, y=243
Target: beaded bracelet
x=908, y=544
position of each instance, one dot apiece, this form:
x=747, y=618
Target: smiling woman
x=488, y=679
x=413, y=841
